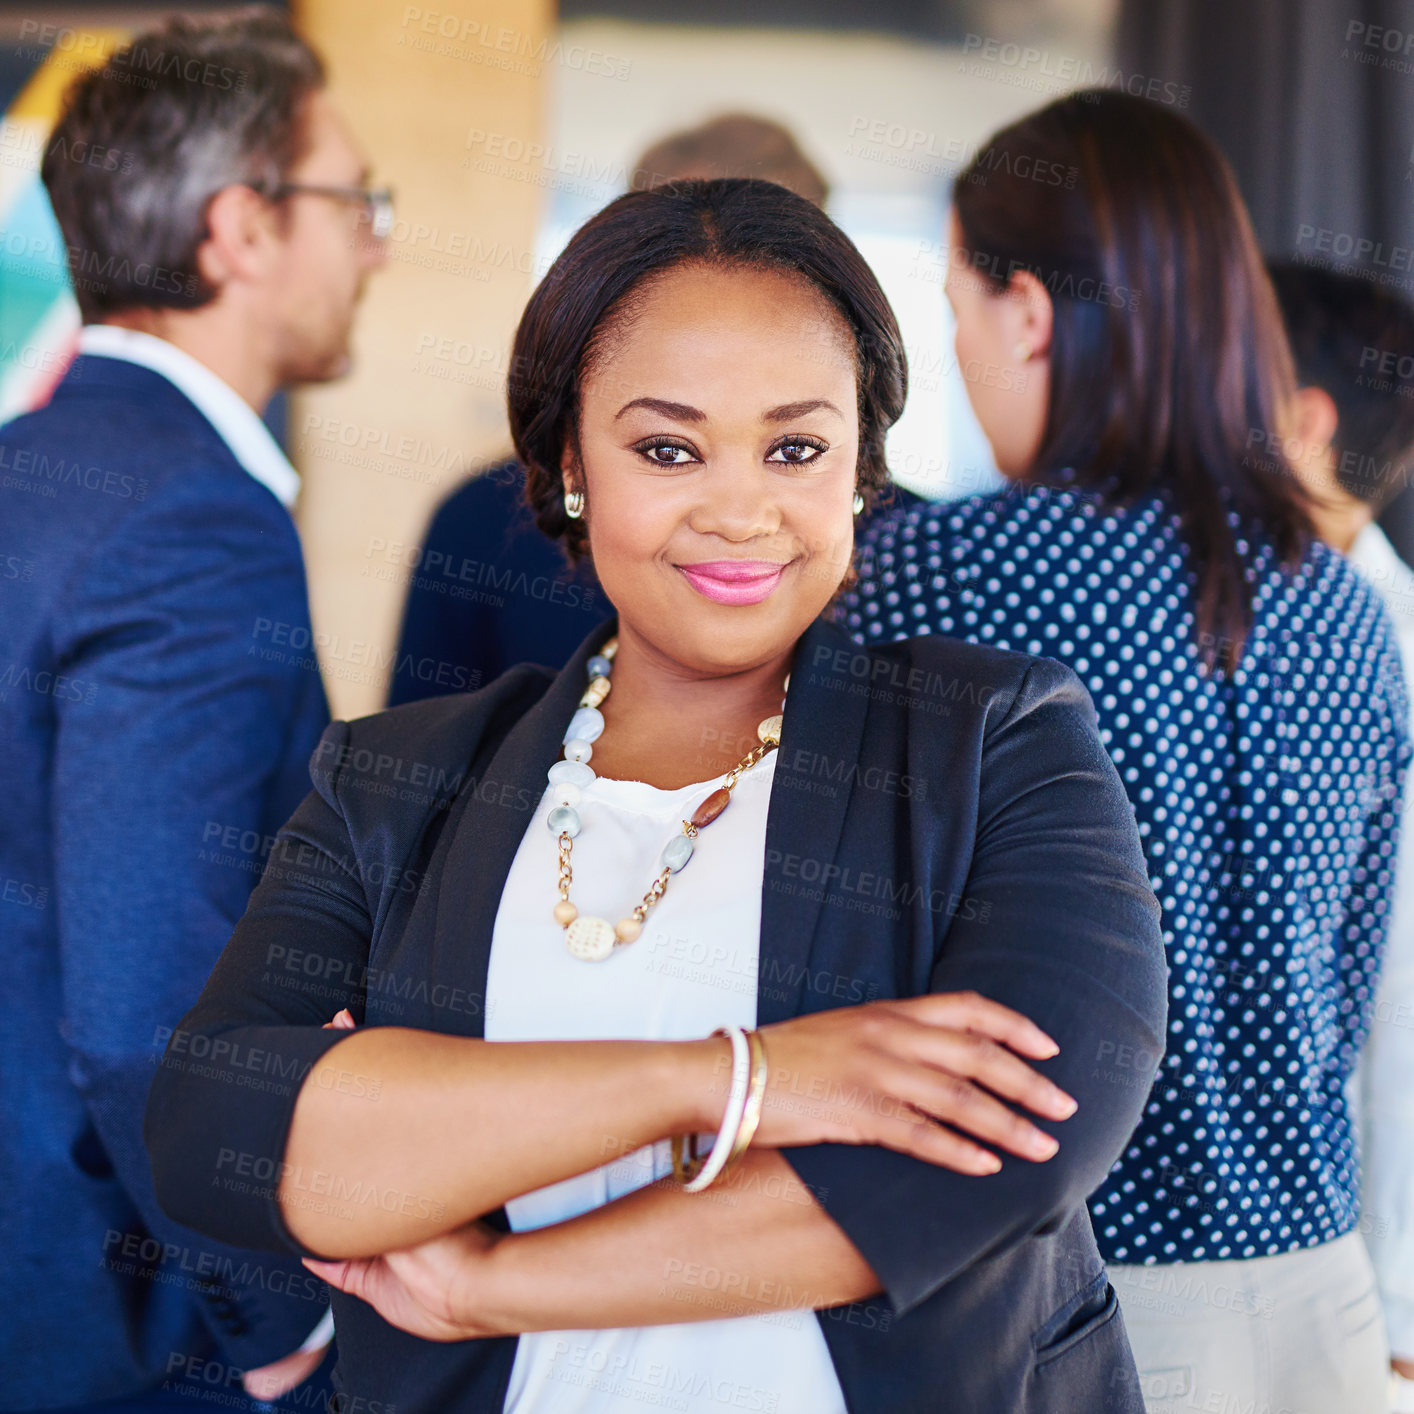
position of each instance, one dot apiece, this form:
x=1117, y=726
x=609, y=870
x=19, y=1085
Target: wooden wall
x=430, y=92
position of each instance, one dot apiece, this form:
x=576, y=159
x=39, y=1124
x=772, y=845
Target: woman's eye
x=666, y=454
x=796, y=453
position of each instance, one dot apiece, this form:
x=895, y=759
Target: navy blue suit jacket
x=489, y=589
x=943, y=817
x=157, y=706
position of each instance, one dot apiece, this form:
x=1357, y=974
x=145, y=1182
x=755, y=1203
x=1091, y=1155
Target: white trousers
x=1299, y=1333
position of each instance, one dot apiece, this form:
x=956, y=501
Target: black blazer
x=943, y=817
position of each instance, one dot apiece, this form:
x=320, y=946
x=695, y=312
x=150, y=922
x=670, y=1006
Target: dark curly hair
x=726, y=222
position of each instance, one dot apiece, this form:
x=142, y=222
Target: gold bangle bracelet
x=698, y=1173
x=755, y=1096
x=681, y=1171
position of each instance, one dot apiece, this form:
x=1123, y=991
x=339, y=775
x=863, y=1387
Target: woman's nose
x=738, y=501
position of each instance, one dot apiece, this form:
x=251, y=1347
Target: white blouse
x=694, y=968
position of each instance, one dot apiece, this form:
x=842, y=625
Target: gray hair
x=147, y=139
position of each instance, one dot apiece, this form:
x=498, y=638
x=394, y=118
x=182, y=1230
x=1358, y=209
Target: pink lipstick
x=734, y=581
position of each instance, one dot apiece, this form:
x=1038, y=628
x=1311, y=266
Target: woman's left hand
x=435, y=1290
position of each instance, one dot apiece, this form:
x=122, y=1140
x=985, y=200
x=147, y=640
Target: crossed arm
x=331, y=1171
x=757, y=1241
x=1073, y=942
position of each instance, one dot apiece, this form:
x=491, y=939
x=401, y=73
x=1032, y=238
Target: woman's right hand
x=920, y=1075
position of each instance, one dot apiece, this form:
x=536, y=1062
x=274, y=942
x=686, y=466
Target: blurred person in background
x=160, y=697
x=1353, y=344
x=488, y=589
x=1352, y=442
x=733, y=145
x=1125, y=351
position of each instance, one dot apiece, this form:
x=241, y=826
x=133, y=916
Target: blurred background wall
x=380, y=448
x=502, y=124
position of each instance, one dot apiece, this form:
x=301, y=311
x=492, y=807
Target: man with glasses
x=159, y=694
x=378, y=204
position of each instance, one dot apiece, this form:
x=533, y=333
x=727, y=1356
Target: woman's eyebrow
x=685, y=412
x=787, y=412
x=679, y=412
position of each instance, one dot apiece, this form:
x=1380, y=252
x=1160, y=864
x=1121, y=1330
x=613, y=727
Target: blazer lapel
x=505, y=787
x=824, y=722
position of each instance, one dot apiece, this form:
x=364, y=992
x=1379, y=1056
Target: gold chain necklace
x=586, y=936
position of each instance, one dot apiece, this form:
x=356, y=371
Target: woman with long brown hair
x=1124, y=354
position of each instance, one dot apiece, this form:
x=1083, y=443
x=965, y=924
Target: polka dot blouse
x=1266, y=802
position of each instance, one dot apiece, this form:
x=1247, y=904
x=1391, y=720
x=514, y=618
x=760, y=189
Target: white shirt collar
x=235, y=421
x=1373, y=554
x=1379, y=562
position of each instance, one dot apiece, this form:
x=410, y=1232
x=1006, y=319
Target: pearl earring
x=1023, y=351
x=574, y=504
x=858, y=502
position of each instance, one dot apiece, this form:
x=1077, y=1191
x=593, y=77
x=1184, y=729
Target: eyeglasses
x=378, y=204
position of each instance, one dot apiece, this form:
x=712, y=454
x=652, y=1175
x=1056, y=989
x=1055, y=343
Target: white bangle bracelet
x=731, y=1116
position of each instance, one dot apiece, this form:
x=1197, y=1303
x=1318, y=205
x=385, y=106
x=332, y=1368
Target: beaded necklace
x=587, y=937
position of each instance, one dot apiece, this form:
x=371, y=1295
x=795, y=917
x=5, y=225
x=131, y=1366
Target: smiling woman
x=776, y=529
x=864, y=1016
